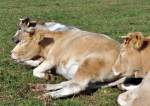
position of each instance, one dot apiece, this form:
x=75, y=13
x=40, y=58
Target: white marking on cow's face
x=52, y=26
x=69, y=70
x=13, y=56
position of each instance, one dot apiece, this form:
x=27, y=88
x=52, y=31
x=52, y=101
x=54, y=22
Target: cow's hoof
x=38, y=87
x=49, y=77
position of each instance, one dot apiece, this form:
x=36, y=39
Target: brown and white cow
x=81, y=57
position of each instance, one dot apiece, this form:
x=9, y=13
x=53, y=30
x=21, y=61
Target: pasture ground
x=112, y=17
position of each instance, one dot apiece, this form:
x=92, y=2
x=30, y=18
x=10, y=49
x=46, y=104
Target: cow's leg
x=42, y=68
x=115, y=83
x=69, y=89
x=33, y=63
x=49, y=87
x=120, y=83
x=86, y=72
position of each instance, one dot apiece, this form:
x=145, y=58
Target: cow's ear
x=24, y=20
x=46, y=41
x=137, y=40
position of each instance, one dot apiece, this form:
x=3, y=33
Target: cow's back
x=82, y=45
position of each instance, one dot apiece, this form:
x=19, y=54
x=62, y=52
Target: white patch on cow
x=13, y=56
x=41, y=69
x=115, y=72
x=69, y=70
x=52, y=87
x=70, y=89
x=33, y=63
x=66, y=88
x=49, y=23
x=52, y=26
x=130, y=87
x=121, y=101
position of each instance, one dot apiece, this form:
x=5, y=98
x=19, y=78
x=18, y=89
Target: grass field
x=111, y=17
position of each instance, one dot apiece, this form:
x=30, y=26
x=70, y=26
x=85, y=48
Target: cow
x=133, y=58
x=137, y=97
x=82, y=57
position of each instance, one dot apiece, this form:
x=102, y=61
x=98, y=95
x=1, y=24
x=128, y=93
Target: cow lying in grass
x=81, y=57
x=133, y=59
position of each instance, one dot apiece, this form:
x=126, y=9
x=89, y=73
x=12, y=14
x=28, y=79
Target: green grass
x=111, y=17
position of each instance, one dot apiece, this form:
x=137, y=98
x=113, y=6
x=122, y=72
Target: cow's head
x=129, y=60
x=22, y=27
x=30, y=45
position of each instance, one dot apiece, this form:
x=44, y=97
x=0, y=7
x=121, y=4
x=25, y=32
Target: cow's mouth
x=14, y=57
